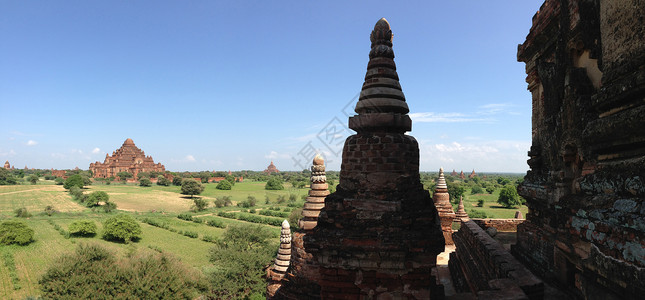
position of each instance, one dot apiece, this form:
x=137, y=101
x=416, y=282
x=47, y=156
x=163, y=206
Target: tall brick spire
x=381, y=105
x=379, y=233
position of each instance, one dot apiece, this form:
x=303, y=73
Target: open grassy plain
x=158, y=203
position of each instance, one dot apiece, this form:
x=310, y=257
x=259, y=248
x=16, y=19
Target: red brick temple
x=128, y=158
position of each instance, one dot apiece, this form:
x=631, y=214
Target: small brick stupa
x=301, y=280
x=379, y=234
x=281, y=263
x=7, y=165
x=461, y=214
x=441, y=200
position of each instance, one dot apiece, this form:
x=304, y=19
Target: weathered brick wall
x=585, y=65
x=508, y=225
x=479, y=258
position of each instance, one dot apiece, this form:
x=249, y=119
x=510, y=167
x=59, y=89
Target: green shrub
x=199, y=204
x=163, y=181
x=209, y=238
x=74, y=180
x=476, y=190
x=477, y=214
x=33, y=178
x=59, y=181
x=185, y=216
x=50, y=210
x=22, y=212
x=85, y=228
x=15, y=232
x=224, y=185
x=190, y=234
x=480, y=203
x=274, y=184
x=10, y=263
x=121, y=228
x=198, y=220
x=92, y=272
x=177, y=180
x=215, y=223
x=109, y=207
x=191, y=187
x=508, y=197
x=145, y=182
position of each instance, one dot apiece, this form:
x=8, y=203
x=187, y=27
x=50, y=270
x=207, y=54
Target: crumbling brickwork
x=585, y=230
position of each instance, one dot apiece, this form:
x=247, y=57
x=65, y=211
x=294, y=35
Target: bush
x=508, y=197
x=177, y=180
x=281, y=199
x=240, y=255
x=163, y=181
x=224, y=185
x=480, y=203
x=92, y=272
x=59, y=180
x=15, y=232
x=476, y=190
x=76, y=192
x=121, y=228
x=74, y=180
x=50, y=210
x=218, y=202
x=94, y=198
x=294, y=218
x=274, y=184
x=109, y=207
x=199, y=204
x=33, y=178
x=22, y=213
x=215, y=223
x=190, y=234
x=85, y=228
x=477, y=214
x=185, y=216
x=145, y=182
x=6, y=178
x=209, y=238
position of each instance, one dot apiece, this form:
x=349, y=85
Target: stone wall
x=508, y=225
x=585, y=230
x=479, y=259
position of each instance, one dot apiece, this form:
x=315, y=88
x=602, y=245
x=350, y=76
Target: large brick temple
x=585, y=229
x=128, y=158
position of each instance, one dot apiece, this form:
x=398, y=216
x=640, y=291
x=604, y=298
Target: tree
x=6, y=178
x=508, y=197
x=231, y=179
x=121, y=228
x=93, y=272
x=95, y=197
x=240, y=256
x=200, y=204
x=74, y=180
x=490, y=189
x=15, y=232
x=163, y=181
x=177, y=180
x=59, y=181
x=123, y=176
x=85, y=228
x=33, y=178
x=274, y=184
x=109, y=207
x=455, y=190
x=145, y=182
x=191, y=187
x=476, y=190
x=224, y=185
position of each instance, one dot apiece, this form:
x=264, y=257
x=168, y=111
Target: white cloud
x=497, y=108
x=32, y=143
x=96, y=150
x=488, y=156
x=431, y=117
x=276, y=155
x=189, y=158
x=10, y=153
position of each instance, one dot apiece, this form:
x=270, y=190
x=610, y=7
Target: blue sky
x=206, y=85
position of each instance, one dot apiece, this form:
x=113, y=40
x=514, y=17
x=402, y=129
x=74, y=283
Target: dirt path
x=17, y=192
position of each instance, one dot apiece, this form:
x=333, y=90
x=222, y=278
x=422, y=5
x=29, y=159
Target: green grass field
x=157, y=202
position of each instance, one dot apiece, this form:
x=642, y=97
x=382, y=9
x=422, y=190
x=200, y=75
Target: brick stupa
x=281, y=263
x=441, y=200
x=461, y=214
x=379, y=234
x=7, y=165
x=128, y=158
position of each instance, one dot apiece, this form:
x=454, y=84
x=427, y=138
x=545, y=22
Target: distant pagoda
x=271, y=169
x=128, y=158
